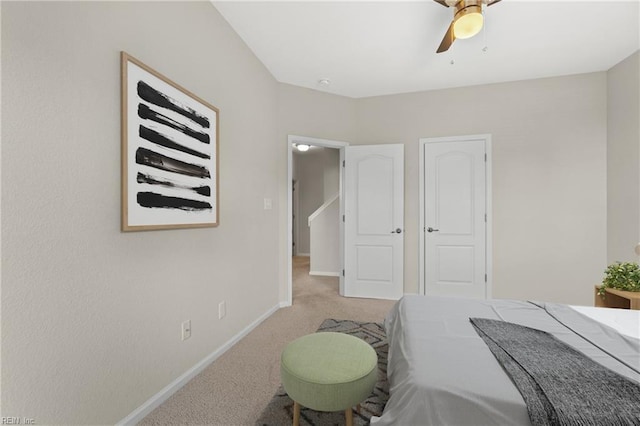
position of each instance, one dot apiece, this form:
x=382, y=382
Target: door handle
x=430, y=229
x=397, y=231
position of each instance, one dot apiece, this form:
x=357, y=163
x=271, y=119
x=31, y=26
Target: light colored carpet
x=235, y=388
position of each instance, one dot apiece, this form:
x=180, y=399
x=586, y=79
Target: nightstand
x=618, y=299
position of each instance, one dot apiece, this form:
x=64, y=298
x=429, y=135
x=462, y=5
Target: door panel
x=454, y=193
x=375, y=263
x=455, y=234
x=455, y=264
x=374, y=195
x=374, y=210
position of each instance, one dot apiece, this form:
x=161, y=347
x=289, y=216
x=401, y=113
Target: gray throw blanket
x=560, y=385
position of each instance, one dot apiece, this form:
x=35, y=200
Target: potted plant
x=621, y=276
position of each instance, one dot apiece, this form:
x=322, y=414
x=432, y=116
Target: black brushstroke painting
x=163, y=140
x=155, y=97
x=150, y=158
x=154, y=200
x=147, y=113
x=143, y=178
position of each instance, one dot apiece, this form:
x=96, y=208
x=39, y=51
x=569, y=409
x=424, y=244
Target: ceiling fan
x=467, y=20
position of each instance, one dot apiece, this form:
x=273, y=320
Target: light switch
x=186, y=330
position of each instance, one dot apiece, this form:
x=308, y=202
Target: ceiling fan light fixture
x=468, y=22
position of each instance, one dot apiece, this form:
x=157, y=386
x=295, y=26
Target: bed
x=442, y=373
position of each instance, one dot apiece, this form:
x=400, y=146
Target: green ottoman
x=328, y=372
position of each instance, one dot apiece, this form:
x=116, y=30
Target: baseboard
x=324, y=274
x=303, y=254
x=152, y=403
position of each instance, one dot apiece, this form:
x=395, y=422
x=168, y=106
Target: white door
x=374, y=221
x=455, y=218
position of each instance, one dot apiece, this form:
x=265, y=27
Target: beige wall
x=549, y=170
x=318, y=177
x=549, y=176
x=306, y=112
x=331, y=161
x=309, y=174
x=91, y=315
x=623, y=160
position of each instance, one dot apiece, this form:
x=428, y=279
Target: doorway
x=372, y=211
x=292, y=142
x=455, y=216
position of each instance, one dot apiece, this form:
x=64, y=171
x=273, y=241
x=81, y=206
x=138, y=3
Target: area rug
x=279, y=411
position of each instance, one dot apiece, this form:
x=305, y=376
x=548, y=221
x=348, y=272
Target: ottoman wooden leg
x=348, y=414
x=296, y=413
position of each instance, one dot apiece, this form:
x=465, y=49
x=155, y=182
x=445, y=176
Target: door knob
x=430, y=229
x=397, y=231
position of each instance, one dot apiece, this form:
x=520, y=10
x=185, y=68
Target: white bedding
x=442, y=373
x=624, y=321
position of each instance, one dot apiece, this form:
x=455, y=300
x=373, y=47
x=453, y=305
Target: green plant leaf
x=621, y=276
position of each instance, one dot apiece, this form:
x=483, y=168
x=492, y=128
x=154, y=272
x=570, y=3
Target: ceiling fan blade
x=491, y=3
x=448, y=40
x=442, y=2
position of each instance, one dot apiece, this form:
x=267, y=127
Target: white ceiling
x=386, y=47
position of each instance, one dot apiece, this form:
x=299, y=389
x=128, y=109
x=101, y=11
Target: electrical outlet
x=186, y=330
x=267, y=204
x=222, y=309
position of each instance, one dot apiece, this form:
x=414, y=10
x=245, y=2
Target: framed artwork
x=169, y=153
